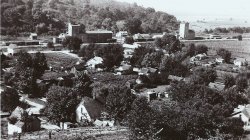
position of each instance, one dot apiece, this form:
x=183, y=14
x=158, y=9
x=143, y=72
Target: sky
x=199, y=9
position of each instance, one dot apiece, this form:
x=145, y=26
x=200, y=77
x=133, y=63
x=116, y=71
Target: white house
x=94, y=61
x=121, y=34
x=12, y=49
x=33, y=36
x=15, y=128
x=240, y=62
x=88, y=109
x=219, y=60
x=242, y=112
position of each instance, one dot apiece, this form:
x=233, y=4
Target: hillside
x=50, y=16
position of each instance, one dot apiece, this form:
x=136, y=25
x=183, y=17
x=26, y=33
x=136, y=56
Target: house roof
x=19, y=124
x=217, y=85
x=12, y=46
x=33, y=34
x=93, y=107
x=177, y=78
x=94, y=61
x=99, y=32
x=17, y=113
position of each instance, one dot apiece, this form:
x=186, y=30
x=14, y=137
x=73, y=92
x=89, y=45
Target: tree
x=9, y=100
x=39, y=64
x=203, y=76
x=119, y=101
x=82, y=85
x=158, y=43
x=72, y=43
x=133, y=25
x=24, y=60
x=152, y=59
x=129, y=40
x=229, y=81
x=140, y=119
x=88, y=52
x=61, y=104
x=139, y=55
x=50, y=45
x=27, y=70
x=171, y=66
x=239, y=37
x=112, y=55
x=199, y=49
x=241, y=84
x=225, y=54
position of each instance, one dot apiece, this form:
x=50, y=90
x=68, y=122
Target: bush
x=129, y=40
x=50, y=45
x=225, y=54
x=239, y=37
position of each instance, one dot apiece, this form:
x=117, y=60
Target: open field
x=58, y=60
x=86, y=133
x=238, y=48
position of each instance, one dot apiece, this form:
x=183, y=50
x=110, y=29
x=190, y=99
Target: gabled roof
x=93, y=107
x=17, y=113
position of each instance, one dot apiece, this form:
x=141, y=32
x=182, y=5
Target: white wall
x=82, y=114
x=13, y=129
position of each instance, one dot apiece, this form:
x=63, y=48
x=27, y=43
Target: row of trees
x=228, y=30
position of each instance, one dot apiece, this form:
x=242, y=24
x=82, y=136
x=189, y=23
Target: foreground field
x=238, y=48
x=86, y=133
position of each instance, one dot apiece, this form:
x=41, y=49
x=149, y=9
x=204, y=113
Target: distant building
x=151, y=95
x=101, y=36
x=121, y=34
x=240, y=62
x=211, y=36
x=94, y=62
x=31, y=123
x=33, y=36
x=142, y=37
x=185, y=32
x=12, y=49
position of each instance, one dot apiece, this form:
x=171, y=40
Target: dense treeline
x=229, y=30
x=50, y=16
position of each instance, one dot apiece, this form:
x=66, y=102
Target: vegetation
x=118, y=102
x=112, y=54
x=61, y=104
x=49, y=17
x=194, y=111
x=27, y=70
x=240, y=30
x=229, y=81
x=129, y=40
x=203, y=76
x=9, y=100
x=72, y=43
x=225, y=54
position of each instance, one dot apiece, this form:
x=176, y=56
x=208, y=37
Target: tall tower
x=183, y=30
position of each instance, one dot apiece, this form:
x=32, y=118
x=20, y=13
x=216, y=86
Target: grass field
x=238, y=48
x=58, y=60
